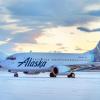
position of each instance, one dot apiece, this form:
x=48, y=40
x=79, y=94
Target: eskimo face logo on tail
x=30, y=62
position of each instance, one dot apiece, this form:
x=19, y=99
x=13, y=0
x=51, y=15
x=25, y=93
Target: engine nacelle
x=60, y=70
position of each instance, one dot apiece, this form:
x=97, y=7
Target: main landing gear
x=52, y=75
x=71, y=75
x=15, y=74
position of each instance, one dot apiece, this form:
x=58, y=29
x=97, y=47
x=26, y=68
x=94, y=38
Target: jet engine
x=60, y=70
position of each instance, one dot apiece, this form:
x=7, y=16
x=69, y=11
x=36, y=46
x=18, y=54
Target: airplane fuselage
x=44, y=61
x=55, y=63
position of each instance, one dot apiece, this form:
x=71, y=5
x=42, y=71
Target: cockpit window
x=11, y=58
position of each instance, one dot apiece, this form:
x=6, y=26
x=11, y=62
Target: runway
x=86, y=86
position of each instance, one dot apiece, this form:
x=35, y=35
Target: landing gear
x=15, y=74
x=71, y=75
x=52, y=75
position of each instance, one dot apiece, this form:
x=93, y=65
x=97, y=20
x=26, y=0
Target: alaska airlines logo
x=30, y=62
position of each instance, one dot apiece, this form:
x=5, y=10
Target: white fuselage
x=44, y=61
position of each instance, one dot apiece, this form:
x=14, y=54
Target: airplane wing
x=84, y=67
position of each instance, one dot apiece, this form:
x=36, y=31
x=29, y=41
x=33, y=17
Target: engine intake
x=55, y=71
x=60, y=70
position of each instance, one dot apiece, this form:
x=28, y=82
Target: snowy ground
x=86, y=86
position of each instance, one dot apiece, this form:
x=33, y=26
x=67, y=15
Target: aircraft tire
x=71, y=75
x=52, y=75
x=15, y=74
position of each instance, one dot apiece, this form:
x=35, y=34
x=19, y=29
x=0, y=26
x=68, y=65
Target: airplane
x=54, y=63
x=2, y=57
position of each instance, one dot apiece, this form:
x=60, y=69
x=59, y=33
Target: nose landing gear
x=15, y=74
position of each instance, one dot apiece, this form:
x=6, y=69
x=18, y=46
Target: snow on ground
x=86, y=86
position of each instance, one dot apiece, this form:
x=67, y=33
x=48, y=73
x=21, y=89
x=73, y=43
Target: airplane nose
x=2, y=64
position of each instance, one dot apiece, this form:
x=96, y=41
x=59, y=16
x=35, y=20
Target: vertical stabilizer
x=97, y=52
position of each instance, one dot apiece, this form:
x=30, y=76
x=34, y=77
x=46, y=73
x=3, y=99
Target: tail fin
x=97, y=48
x=97, y=52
